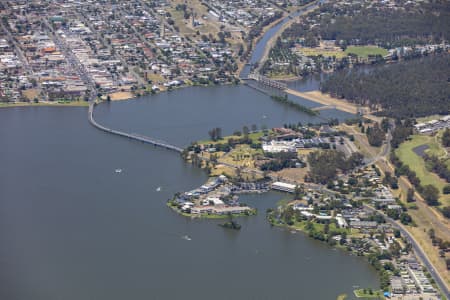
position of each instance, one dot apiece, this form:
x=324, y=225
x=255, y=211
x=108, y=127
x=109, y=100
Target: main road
x=419, y=252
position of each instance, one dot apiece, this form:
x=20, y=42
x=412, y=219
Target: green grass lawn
x=253, y=136
x=326, y=53
x=320, y=227
x=365, y=51
x=417, y=164
x=361, y=293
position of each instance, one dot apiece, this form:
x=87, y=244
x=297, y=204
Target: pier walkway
x=133, y=136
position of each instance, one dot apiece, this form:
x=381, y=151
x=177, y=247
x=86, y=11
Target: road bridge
x=133, y=136
x=267, y=82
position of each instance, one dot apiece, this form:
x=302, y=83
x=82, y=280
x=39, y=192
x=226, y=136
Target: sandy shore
x=117, y=96
x=340, y=104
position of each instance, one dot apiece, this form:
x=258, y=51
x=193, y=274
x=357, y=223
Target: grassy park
x=361, y=51
x=255, y=136
x=407, y=155
x=365, y=51
x=326, y=53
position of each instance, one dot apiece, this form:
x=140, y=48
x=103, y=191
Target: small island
x=231, y=224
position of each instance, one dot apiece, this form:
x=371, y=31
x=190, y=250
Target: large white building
x=283, y=186
x=279, y=146
x=433, y=125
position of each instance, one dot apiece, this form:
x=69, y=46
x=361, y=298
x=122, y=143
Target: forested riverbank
x=412, y=88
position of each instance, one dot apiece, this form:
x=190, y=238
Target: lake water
x=186, y=115
x=73, y=228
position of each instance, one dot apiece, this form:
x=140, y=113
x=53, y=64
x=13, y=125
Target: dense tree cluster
x=446, y=138
x=325, y=164
x=390, y=180
x=375, y=135
x=438, y=166
x=437, y=241
x=431, y=194
x=403, y=129
x=374, y=260
x=412, y=24
x=215, y=133
x=280, y=161
x=446, y=212
x=411, y=88
x=446, y=189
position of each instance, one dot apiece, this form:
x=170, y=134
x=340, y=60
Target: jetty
x=133, y=136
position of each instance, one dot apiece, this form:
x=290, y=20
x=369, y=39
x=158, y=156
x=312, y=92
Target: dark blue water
x=186, y=115
x=72, y=228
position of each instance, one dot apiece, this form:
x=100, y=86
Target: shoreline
x=340, y=104
x=337, y=246
x=44, y=104
x=315, y=96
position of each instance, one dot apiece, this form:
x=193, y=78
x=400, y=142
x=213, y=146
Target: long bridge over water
x=133, y=136
x=267, y=81
x=270, y=83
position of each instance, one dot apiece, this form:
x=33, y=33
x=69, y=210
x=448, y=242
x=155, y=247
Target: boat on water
x=118, y=171
x=186, y=237
x=158, y=189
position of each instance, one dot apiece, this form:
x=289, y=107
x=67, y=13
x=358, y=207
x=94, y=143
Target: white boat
x=158, y=189
x=186, y=237
x=118, y=170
